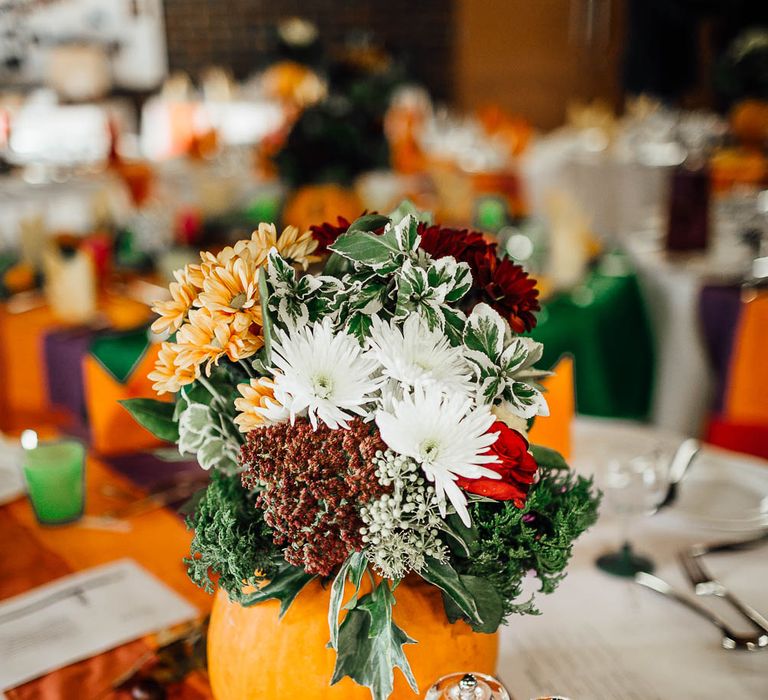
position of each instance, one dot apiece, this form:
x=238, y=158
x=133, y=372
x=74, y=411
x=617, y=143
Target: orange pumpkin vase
x=253, y=654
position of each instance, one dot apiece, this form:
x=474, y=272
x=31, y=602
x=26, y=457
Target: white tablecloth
x=602, y=638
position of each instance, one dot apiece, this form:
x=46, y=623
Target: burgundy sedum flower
x=314, y=483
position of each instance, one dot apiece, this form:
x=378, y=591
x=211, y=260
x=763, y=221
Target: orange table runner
x=31, y=555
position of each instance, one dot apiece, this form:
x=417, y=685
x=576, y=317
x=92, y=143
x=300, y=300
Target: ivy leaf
x=352, y=563
x=407, y=234
x=445, y=577
x=284, y=586
x=547, y=457
x=194, y=425
x=359, y=325
x=156, y=416
x=454, y=325
x=356, y=572
x=370, y=645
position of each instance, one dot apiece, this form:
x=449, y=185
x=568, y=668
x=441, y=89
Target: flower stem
x=247, y=368
x=212, y=391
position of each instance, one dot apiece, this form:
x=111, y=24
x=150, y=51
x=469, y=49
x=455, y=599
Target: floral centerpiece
x=366, y=425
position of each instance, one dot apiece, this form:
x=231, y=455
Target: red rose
x=516, y=466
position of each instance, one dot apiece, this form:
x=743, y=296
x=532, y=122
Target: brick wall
x=235, y=33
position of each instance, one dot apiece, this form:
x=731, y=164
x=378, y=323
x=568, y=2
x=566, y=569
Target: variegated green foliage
x=503, y=363
x=391, y=277
x=298, y=300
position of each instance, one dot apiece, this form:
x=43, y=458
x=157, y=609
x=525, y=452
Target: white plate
x=725, y=491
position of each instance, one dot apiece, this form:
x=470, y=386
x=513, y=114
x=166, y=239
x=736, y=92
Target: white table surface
x=604, y=637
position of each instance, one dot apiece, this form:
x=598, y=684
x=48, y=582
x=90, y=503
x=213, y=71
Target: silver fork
x=706, y=584
x=730, y=639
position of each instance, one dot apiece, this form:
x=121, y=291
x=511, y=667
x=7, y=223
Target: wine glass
x=632, y=488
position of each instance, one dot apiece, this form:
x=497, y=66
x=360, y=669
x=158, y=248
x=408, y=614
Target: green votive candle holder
x=54, y=472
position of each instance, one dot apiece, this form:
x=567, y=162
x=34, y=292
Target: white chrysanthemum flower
x=446, y=434
x=414, y=354
x=325, y=374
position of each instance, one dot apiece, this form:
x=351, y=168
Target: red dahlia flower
x=466, y=246
x=507, y=288
x=327, y=233
x=516, y=466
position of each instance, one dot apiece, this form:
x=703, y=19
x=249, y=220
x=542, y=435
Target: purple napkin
x=719, y=312
x=63, y=352
x=145, y=470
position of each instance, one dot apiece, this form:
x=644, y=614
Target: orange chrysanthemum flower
x=168, y=376
x=173, y=312
x=297, y=248
x=258, y=406
x=231, y=288
x=210, y=335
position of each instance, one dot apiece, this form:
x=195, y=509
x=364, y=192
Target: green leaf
x=156, y=416
x=407, y=207
x=547, y=457
x=356, y=573
x=352, y=562
x=370, y=645
x=488, y=602
x=368, y=223
x=336, y=266
x=465, y=537
x=284, y=586
x=445, y=577
x=484, y=331
x=367, y=248
x=487, y=599
x=266, y=319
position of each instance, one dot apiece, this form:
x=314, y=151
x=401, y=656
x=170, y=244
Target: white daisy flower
x=325, y=374
x=414, y=354
x=446, y=434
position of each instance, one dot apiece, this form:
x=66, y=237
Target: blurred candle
x=54, y=472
